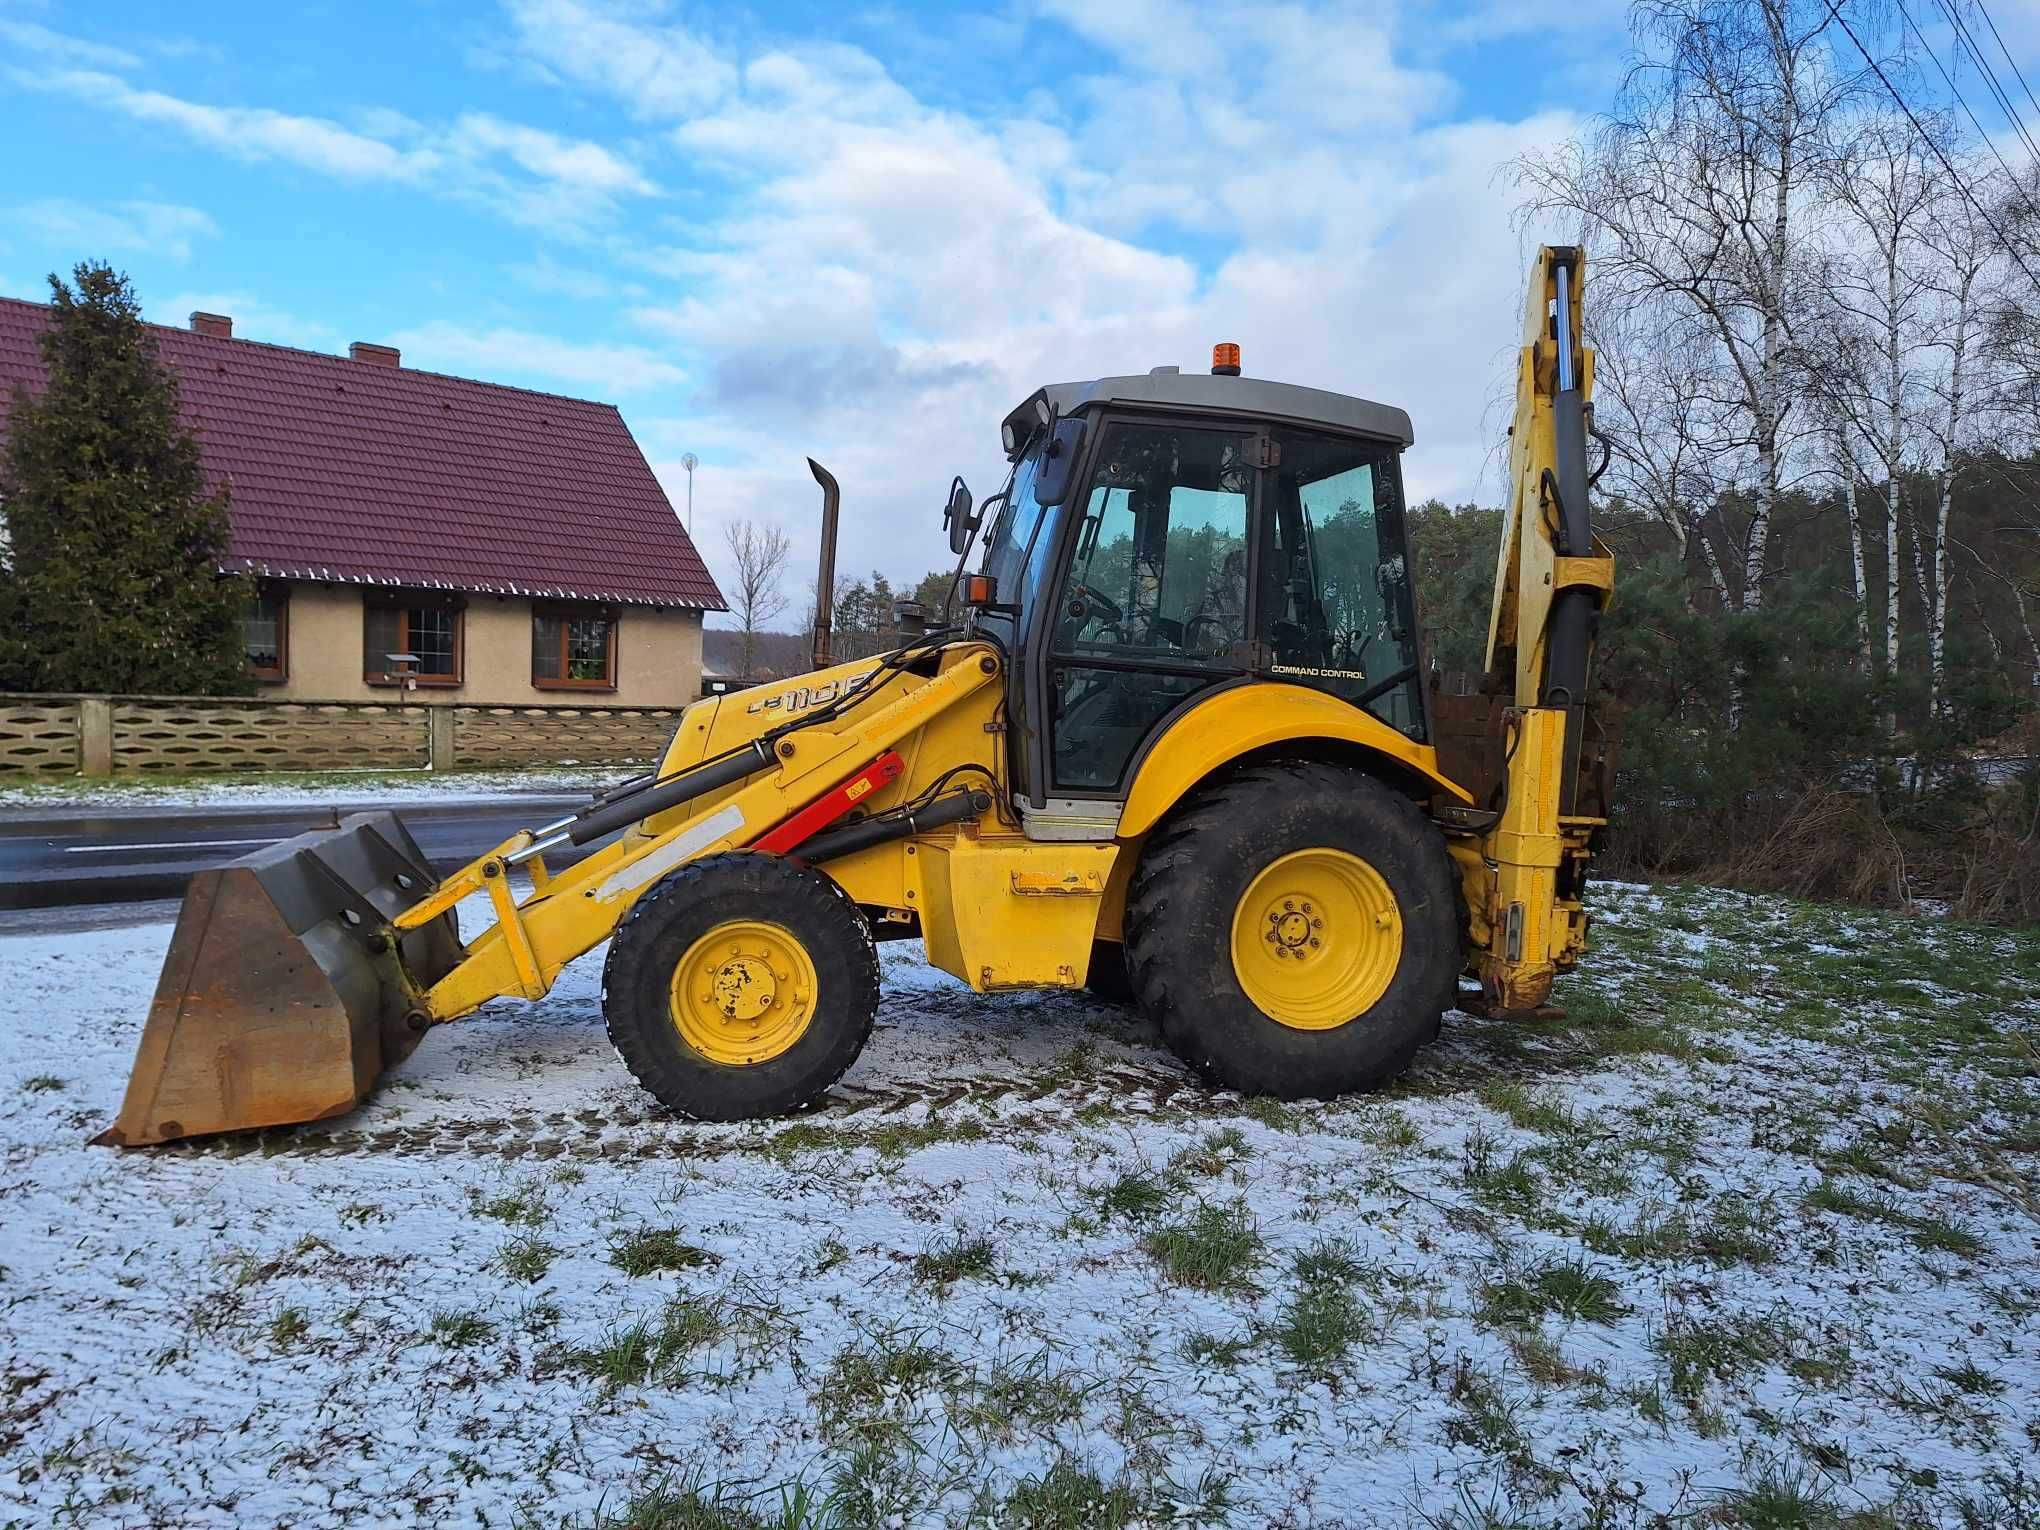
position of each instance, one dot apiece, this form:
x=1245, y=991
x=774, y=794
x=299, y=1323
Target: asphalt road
x=53, y=860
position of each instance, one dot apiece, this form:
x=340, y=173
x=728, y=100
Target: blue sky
x=860, y=233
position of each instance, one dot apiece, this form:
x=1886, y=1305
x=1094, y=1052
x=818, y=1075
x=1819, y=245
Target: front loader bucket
x=285, y=992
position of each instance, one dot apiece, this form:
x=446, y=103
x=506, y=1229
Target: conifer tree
x=112, y=578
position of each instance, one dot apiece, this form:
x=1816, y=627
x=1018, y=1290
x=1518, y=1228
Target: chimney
x=218, y=325
x=374, y=355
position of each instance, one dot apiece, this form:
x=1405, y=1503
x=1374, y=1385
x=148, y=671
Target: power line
x=1988, y=143
x=2017, y=73
x=1990, y=80
x=1962, y=186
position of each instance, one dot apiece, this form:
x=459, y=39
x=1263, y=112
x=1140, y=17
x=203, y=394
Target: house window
x=428, y=630
x=573, y=648
x=265, y=633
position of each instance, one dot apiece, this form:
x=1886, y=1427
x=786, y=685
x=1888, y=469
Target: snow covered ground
x=1751, y=1237
x=339, y=788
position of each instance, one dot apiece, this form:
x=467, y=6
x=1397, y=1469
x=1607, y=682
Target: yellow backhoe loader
x=1184, y=743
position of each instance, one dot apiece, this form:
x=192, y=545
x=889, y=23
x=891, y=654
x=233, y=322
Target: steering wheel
x=1086, y=601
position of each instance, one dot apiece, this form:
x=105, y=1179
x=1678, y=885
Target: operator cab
x=1164, y=536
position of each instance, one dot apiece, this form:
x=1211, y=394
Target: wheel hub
x=743, y=993
x=1317, y=938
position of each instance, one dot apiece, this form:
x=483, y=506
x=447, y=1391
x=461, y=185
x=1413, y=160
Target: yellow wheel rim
x=744, y=992
x=1316, y=939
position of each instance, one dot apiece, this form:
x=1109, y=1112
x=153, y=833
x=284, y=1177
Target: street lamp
x=690, y=462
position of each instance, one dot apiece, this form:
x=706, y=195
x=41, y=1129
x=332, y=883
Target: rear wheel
x=1293, y=930
x=741, y=985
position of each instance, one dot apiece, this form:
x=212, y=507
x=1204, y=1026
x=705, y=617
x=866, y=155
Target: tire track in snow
x=624, y=1134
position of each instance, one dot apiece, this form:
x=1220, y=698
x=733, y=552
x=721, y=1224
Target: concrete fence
x=137, y=735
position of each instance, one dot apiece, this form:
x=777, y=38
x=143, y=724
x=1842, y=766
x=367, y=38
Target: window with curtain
x=265, y=636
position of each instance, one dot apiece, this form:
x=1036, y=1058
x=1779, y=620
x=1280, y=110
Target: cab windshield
x=1012, y=548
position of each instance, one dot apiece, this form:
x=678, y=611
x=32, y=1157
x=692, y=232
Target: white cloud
x=507, y=355
x=529, y=175
x=547, y=155
x=657, y=70
x=158, y=228
x=32, y=37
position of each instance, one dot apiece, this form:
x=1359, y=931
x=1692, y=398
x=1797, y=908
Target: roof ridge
x=297, y=350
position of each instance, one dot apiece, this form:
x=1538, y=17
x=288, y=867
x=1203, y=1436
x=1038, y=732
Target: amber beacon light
x=1225, y=359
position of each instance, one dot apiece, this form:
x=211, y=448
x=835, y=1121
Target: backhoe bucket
x=285, y=992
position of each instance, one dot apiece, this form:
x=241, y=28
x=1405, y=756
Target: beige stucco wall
x=658, y=654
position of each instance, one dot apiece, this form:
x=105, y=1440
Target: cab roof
x=1170, y=388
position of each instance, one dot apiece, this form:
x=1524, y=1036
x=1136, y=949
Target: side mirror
x=957, y=519
x=1059, y=462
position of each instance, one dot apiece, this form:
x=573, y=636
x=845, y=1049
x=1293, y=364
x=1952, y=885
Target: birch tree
x=1967, y=253
x=1885, y=195
x=1690, y=196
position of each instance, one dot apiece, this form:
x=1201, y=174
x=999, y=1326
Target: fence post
x=439, y=736
x=95, y=735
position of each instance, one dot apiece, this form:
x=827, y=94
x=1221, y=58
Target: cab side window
x=1336, y=608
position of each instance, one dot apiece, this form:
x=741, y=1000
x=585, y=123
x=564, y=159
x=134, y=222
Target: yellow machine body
x=361, y=953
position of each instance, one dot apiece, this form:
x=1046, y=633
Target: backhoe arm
x=1552, y=579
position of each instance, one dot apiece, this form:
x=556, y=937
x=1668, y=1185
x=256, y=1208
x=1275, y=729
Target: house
x=409, y=531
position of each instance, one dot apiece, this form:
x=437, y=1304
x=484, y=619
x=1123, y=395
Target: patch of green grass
x=1273, y=1114
x=1329, y=1261
x=460, y=1330
x=1573, y=1289
x=652, y=1250
x=1018, y=1394
x=671, y=1503
x=1222, y=1350
x=288, y=1326
x=1318, y=1326
x=520, y=1208
x=649, y=1352
x=526, y=1257
x=959, y=1258
x=1219, y=1151
x=1779, y=1498
x=1486, y=1416
x=43, y=1083
x=1138, y=1195
x=905, y=1138
x=1070, y=1496
x=1214, y=1249
x=1972, y=1379
x=1545, y=1362
x=1700, y=1350
x=1505, y=1182
x=1935, y=1234
x=870, y=1382
x=361, y=1213
x=1734, y=1230
x=1511, y=1099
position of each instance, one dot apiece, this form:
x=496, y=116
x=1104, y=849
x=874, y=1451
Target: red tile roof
x=348, y=471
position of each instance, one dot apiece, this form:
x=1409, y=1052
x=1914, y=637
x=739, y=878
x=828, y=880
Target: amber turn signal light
x=980, y=590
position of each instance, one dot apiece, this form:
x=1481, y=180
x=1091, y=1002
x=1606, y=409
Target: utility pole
x=690, y=462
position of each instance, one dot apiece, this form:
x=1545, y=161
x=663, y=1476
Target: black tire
x=1192, y=874
x=679, y=910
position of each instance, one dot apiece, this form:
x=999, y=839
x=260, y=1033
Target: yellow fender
x=1241, y=719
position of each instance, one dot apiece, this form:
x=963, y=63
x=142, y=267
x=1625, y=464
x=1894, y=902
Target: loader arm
x=569, y=914
x=1523, y=870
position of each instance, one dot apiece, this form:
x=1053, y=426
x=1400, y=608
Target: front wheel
x=741, y=985
x=1292, y=930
